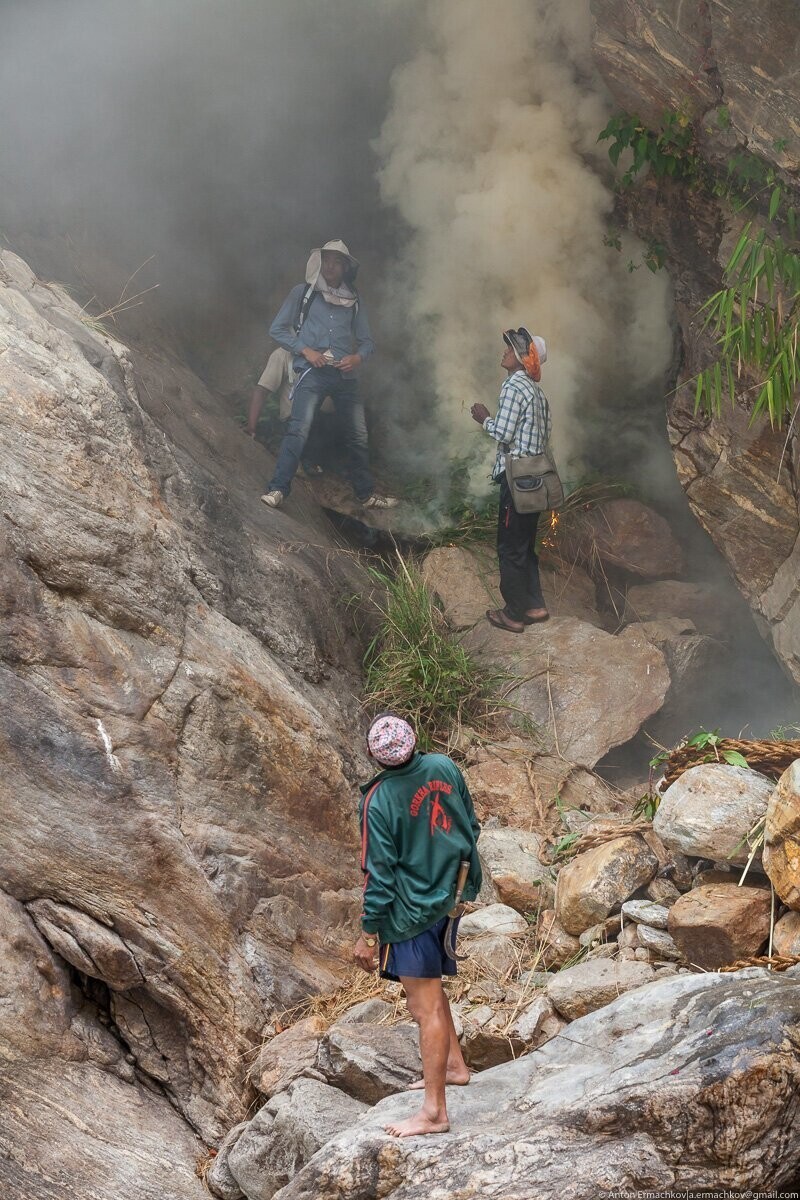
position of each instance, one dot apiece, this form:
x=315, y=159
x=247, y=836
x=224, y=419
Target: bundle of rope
x=776, y=962
x=769, y=758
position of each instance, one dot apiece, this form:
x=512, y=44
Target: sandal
x=498, y=618
x=526, y=620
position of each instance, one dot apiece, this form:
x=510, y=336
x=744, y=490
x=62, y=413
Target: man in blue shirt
x=323, y=325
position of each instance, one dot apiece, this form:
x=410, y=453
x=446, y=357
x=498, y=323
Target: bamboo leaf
x=739, y=250
x=774, y=201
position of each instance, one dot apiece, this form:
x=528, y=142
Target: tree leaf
x=734, y=758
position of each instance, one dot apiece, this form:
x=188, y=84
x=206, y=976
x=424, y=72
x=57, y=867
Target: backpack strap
x=305, y=304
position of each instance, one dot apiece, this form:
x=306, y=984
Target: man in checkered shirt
x=521, y=427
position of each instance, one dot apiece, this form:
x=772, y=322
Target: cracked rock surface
x=178, y=700
x=683, y=1084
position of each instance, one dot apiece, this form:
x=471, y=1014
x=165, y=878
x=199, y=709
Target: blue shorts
x=421, y=957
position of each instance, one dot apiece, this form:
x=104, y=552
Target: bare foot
x=456, y=1078
x=418, y=1124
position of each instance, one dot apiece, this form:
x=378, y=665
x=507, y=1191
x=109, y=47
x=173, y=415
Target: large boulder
x=719, y=923
x=511, y=781
x=467, y=582
x=624, y=534
x=511, y=862
x=176, y=733
x=556, y=947
x=287, y=1056
x=581, y=989
x=663, y=599
x=586, y=690
x=597, y=882
x=286, y=1133
x=636, y=1095
x=493, y=919
x=709, y=811
x=369, y=1061
x=693, y=661
x=786, y=938
x=73, y=1107
x=782, y=837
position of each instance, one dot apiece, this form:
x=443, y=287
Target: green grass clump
x=415, y=665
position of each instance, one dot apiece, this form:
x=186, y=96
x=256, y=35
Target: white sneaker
x=273, y=499
x=378, y=501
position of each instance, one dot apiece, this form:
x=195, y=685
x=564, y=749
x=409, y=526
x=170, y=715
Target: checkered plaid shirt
x=523, y=424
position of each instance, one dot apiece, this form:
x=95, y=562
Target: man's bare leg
x=424, y=998
x=457, y=1070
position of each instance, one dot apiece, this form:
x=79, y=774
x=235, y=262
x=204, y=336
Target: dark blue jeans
x=309, y=394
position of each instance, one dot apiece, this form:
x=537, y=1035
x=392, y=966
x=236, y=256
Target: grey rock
x=596, y=882
x=659, y=941
x=167, y=670
x=370, y=1062
x=510, y=860
x=72, y=1107
x=219, y=1179
x=581, y=989
x=586, y=690
x=368, y=1012
x=645, y=912
x=286, y=1133
x=287, y=1056
x=622, y=1096
x=710, y=809
x=495, y=918
x=494, y=954
x=536, y=1023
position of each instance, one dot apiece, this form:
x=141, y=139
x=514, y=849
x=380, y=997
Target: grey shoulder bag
x=534, y=482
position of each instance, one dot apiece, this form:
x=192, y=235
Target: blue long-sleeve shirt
x=326, y=327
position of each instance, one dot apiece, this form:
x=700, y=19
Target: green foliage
x=785, y=733
x=668, y=151
x=563, y=845
x=646, y=806
x=705, y=740
x=416, y=667
x=756, y=314
x=755, y=319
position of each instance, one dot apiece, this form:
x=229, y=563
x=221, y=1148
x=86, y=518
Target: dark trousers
x=520, y=586
x=318, y=383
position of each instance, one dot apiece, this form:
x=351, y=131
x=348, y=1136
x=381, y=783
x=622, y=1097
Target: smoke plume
x=489, y=154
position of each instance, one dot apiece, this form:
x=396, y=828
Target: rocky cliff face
x=732, y=67
x=177, y=727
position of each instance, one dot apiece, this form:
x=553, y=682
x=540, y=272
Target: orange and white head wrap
x=529, y=350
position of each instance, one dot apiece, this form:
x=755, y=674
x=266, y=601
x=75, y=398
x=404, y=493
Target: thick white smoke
x=489, y=154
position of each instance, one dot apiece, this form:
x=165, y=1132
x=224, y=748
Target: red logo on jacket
x=437, y=813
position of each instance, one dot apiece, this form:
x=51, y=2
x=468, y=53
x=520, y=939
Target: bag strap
x=305, y=305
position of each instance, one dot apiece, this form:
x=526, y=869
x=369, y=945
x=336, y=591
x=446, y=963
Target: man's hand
x=250, y=432
x=364, y=955
x=349, y=362
x=314, y=357
x=479, y=413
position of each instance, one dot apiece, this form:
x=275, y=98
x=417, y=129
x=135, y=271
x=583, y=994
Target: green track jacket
x=417, y=824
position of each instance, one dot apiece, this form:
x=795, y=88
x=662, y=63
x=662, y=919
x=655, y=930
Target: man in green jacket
x=417, y=826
